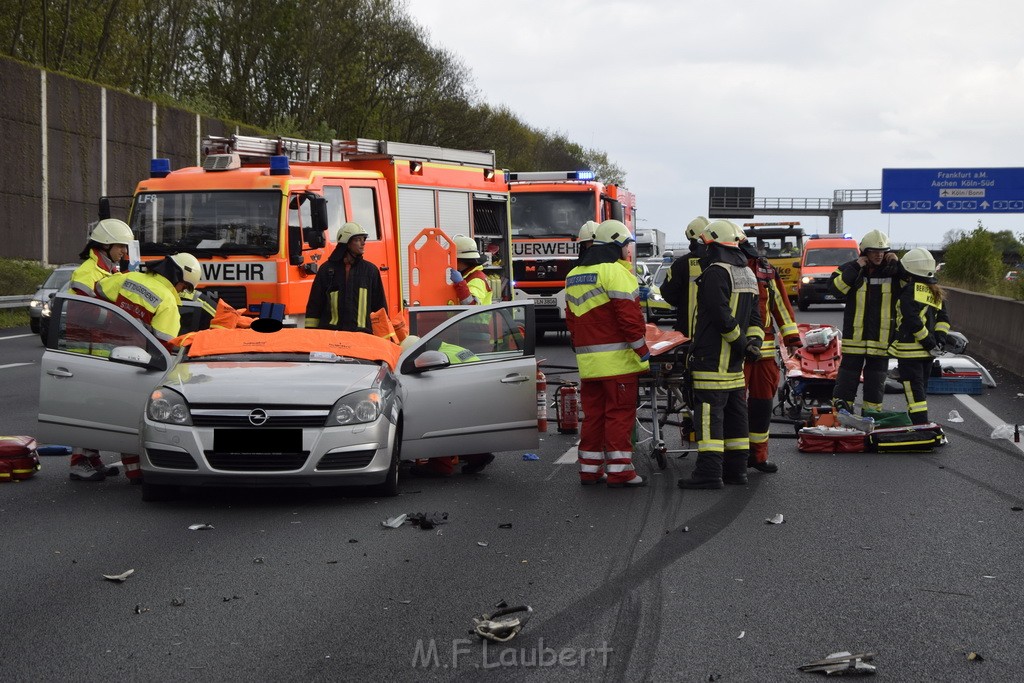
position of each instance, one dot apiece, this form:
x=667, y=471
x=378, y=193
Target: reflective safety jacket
x=603, y=315
x=919, y=315
x=680, y=289
x=773, y=305
x=150, y=297
x=344, y=301
x=871, y=296
x=457, y=354
x=95, y=268
x=726, y=316
x=474, y=288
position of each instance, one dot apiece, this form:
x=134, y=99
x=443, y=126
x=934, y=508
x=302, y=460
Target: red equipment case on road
x=18, y=458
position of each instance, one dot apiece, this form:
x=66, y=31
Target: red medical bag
x=18, y=458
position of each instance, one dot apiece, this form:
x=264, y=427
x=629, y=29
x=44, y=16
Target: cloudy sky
x=794, y=98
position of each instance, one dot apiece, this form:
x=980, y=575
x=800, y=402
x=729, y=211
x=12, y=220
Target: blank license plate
x=266, y=441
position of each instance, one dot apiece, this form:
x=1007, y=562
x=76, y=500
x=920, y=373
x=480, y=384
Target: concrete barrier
x=994, y=325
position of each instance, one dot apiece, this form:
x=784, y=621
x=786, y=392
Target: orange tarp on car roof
x=294, y=340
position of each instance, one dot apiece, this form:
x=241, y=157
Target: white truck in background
x=650, y=243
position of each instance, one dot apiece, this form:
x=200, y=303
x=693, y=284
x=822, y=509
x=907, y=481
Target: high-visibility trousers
x=606, y=434
x=762, y=378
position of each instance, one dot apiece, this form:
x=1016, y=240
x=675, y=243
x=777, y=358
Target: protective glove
x=928, y=343
x=456, y=276
x=940, y=338
x=752, y=349
x=644, y=293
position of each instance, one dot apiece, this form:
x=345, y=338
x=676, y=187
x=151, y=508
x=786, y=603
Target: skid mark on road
x=985, y=414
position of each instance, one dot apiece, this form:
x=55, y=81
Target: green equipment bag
x=886, y=418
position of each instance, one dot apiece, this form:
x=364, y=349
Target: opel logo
x=258, y=417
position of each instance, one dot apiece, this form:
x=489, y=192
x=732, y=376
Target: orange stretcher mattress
x=662, y=341
x=360, y=345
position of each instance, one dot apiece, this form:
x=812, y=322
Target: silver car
x=287, y=413
x=57, y=280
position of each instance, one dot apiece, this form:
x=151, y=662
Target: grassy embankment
x=19, y=278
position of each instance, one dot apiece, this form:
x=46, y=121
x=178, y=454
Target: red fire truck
x=548, y=210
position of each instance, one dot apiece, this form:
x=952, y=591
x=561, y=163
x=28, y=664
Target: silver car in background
x=57, y=280
x=288, y=413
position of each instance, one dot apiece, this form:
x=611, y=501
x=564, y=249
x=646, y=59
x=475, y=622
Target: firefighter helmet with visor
x=696, y=227
x=350, y=230
x=466, y=248
x=112, y=231
x=874, y=239
x=726, y=233
x=613, y=232
x=587, y=232
x=920, y=263
x=191, y=271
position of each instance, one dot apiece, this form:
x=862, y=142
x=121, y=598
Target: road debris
x=503, y=625
x=954, y=416
x=1017, y=508
x=395, y=522
x=482, y=544
x=839, y=663
x=777, y=519
x=118, y=578
x=200, y=527
x=426, y=520
x=531, y=456
x=139, y=609
x=740, y=636
x=974, y=657
x=177, y=602
x=505, y=525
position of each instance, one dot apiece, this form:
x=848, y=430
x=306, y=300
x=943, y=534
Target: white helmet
x=726, y=233
x=409, y=341
x=587, y=232
x=613, y=232
x=875, y=239
x=466, y=248
x=112, y=231
x=350, y=230
x=696, y=227
x=921, y=263
x=191, y=271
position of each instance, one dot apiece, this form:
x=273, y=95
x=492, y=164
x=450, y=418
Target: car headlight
x=807, y=279
x=168, y=407
x=356, y=408
x=35, y=303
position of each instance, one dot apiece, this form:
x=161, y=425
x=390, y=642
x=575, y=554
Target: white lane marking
x=13, y=365
x=985, y=414
x=569, y=457
x=18, y=336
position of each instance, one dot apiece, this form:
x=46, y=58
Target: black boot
x=735, y=468
x=707, y=473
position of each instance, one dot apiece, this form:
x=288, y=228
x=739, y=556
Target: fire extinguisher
x=567, y=407
x=542, y=401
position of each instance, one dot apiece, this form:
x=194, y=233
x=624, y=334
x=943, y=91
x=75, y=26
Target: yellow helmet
x=696, y=227
x=587, y=232
x=875, y=239
x=191, y=271
x=726, y=233
x=613, y=232
x=921, y=263
x=466, y=248
x=350, y=230
x=112, y=231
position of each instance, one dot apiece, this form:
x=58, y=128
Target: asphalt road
x=915, y=557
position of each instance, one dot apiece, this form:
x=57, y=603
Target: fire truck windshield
x=207, y=223
x=551, y=214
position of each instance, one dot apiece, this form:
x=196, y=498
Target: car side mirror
x=796, y=264
x=430, y=360
x=131, y=355
x=314, y=238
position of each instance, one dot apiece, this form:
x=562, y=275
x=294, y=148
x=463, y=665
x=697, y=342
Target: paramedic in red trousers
x=471, y=289
x=921, y=325
x=347, y=288
x=680, y=288
x=606, y=329
x=870, y=285
x=107, y=247
x=153, y=297
x=762, y=375
x=727, y=331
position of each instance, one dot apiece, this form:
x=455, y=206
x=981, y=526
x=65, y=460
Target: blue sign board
x=952, y=190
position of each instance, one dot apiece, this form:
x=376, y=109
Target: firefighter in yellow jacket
x=727, y=331
x=606, y=327
x=107, y=247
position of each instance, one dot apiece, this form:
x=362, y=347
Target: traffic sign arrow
x=893, y=205
x=985, y=205
x=938, y=205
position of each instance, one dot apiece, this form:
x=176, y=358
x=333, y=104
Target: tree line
x=317, y=69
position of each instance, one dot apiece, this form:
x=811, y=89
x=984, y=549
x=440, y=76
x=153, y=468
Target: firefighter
x=921, y=325
x=870, y=286
x=585, y=239
x=762, y=375
x=471, y=285
x=347, y=288
x=103, y=253
x=153, y=297
x=680, y=288
x=727, y=331
x=606, y=329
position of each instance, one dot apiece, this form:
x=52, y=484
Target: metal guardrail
x=15, y=301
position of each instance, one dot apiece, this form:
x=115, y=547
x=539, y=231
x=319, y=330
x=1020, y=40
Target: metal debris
x=200, y=527
x=177, y=602
x=839, y=663
x=118, y=578
x=482, y=544
x=503, y=625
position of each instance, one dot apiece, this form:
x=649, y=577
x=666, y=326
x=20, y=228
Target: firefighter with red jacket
x=106, y=248
x=922, y=324
x=606, y=328
x=727, y=330
x=870, y=285
x=762, y=375
x=680, y=288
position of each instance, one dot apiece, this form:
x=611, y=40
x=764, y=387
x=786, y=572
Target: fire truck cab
x=262, y=214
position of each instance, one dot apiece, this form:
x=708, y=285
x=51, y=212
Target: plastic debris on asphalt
x=777, y=519
x=974, y=657
x=839, y=663
x=482, y=544
x=954, y=416
x=426, y=520
x=200, y=527
x=531, y=456
x=1003, y=432
x=505, y=525
x=503, y=625
x=119, y=577
x=395, y=522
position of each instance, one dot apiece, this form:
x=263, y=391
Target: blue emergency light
x=279, y=165
x=159, y=168
x=585, y=175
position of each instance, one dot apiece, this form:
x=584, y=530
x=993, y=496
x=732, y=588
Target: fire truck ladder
x=251, y=147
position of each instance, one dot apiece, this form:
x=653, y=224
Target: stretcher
x=664, y=394
x=810, y=372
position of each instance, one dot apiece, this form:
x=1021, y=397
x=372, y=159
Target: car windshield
x=829, y=256
x=552, y=214
x=207, y=223
x=58, y=278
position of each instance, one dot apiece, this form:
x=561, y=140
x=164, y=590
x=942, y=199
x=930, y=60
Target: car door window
x=88, y=328
x=490, y=334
